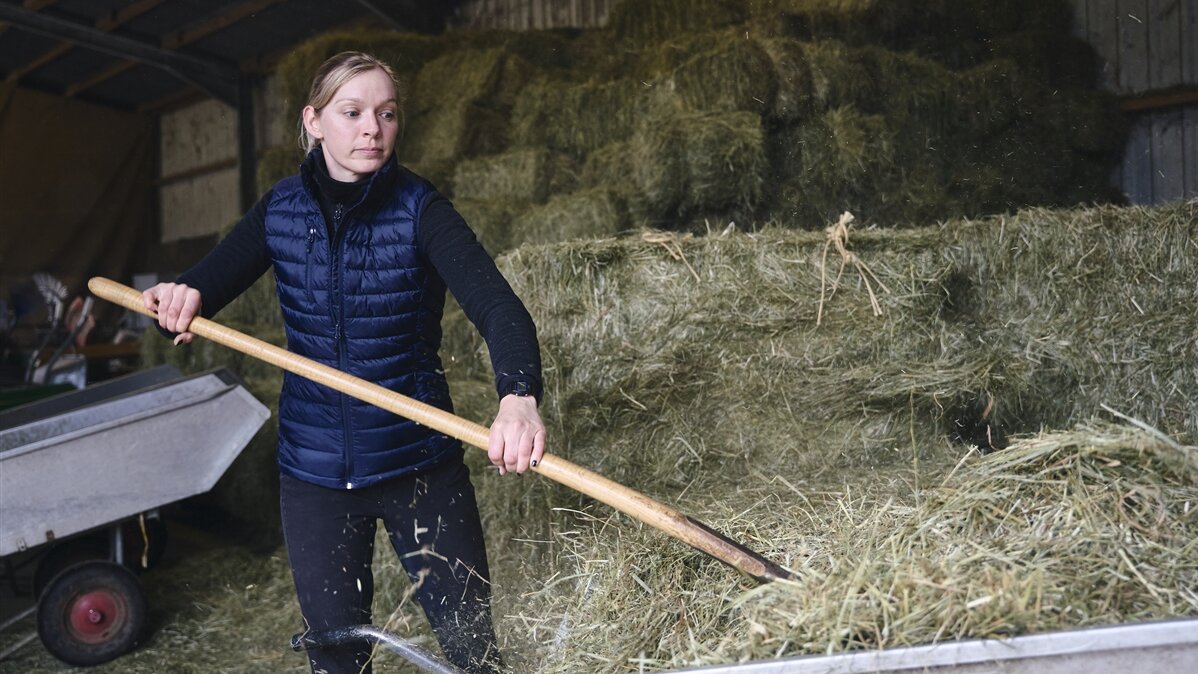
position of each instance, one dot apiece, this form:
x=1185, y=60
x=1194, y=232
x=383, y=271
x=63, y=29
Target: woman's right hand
x=176, y=304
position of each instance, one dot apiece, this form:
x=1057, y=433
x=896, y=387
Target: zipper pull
x=311, y=237
x=337, y=213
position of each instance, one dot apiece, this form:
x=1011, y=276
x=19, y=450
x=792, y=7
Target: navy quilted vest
x=363, y=303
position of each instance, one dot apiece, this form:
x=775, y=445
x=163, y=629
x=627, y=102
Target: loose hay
x=1086, y=527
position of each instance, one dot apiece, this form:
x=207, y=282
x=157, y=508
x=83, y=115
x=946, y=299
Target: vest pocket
x=308, y=263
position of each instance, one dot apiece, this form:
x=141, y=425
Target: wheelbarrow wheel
x=91, y=613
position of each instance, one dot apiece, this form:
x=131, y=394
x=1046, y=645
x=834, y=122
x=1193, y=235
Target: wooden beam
x=102, y=76
x=105, y=24
x=196, y=171
x=30, y=66
x=178, y=100
x=1157, y=101
x=186, y=37
x=216, y=23
x=214, y=76
x=130, y=12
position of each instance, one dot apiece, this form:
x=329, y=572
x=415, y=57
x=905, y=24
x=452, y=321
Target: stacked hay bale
x=1093, y=301
x=686, y=112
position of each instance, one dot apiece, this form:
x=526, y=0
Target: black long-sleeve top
x=443, y=239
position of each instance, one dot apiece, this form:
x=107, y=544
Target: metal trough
x=1165, y=647
x=83, y=460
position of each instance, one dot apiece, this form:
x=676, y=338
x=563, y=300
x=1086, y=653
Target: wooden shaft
x=614, y=494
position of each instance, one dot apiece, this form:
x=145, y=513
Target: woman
x=363, y=251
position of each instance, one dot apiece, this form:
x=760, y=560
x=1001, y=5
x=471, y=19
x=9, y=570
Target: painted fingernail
x=533, y=463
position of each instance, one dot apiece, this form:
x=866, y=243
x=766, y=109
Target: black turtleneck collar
x=335, y=190
x=331, y=193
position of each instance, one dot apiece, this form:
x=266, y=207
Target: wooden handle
x=614, y=494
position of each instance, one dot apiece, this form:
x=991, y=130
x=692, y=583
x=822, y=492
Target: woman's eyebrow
x=358, y=100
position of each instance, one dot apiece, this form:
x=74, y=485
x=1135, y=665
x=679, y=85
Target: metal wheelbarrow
x=82, y=476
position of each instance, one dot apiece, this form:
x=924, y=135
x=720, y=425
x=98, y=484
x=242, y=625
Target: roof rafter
x=184, y=38
x=217, y=78
x=106, y=24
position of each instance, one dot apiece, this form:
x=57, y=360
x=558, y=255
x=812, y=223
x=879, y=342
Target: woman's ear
x=312, y=122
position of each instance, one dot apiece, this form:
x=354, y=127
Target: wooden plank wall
x=1148, y=46
x=536, y=14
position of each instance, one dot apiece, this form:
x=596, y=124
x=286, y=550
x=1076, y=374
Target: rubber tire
x=104, y=582
x=63, y=556
x=94, y=546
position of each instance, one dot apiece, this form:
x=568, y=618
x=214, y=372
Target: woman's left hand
x=517, y=438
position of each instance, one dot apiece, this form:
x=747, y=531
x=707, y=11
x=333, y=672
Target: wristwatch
x=518, y=388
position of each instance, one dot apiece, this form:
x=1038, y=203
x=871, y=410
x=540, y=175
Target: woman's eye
x=351, y=113
x=387, y=115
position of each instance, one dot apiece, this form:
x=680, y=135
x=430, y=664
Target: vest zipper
x=337, y=303
x=308, y=268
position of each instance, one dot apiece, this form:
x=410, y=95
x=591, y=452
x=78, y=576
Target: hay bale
x=955, y=33
x=610, y=165
x=452, y=113
x=793, y=97
x=627, y=315
x=837, y=161
x=721, y=167
x=276, y=163
x=526, y=174
x=1053, y=57
x=650, y=22
x=440, y=138
x=839, y=75
x=491, y=220
x=730, y=73
x=405, y=52
x=595, y=213
x=579, y=118
x=459, y=76
x=552, y=49
x=1090, y=298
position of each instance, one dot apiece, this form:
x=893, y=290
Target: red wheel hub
x=94, y=615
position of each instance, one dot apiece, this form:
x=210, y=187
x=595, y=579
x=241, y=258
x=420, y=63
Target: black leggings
x=433, y=523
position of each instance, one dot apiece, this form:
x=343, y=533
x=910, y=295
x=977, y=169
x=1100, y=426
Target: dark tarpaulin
x=76, y=195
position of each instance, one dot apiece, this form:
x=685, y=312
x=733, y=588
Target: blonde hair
x=331, y=75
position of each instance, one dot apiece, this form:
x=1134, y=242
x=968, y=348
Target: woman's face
x=358, y=127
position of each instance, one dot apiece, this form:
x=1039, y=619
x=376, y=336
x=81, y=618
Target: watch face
x=520, y=388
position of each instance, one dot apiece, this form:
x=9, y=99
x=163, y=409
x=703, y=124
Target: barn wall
x=198, y=188
x=1150, y=47
x=198, y=177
